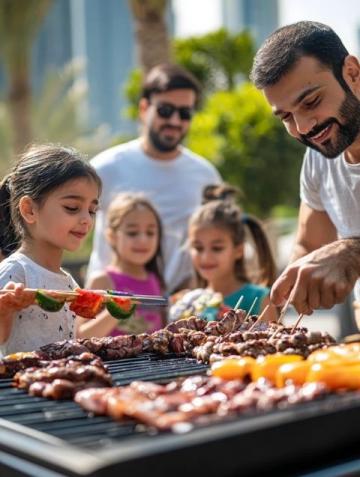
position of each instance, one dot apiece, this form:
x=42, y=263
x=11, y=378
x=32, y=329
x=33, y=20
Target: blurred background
x=70, y=72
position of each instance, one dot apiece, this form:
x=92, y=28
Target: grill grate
x=66, y=420
x=39, y=436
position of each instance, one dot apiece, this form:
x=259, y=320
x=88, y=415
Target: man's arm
x=315, y=229
x=320, y=279
x=324, y=270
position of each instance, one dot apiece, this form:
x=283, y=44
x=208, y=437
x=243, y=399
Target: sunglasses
x=166, y=110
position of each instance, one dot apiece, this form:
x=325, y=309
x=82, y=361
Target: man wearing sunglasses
x=157, y=164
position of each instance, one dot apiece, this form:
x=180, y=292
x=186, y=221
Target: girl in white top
x=47, y=205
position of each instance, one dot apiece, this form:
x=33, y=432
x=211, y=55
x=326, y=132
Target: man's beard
x=347, y=132
x=161, y=143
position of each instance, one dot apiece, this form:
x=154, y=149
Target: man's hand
x=320, y=279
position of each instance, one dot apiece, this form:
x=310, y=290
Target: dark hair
x=40, y=170
x=167, y=77
x=119, y=207
x=219, y=209
x=283, y=48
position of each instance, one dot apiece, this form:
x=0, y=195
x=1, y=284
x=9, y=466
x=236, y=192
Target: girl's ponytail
x=223, y=192
x=266, y=260
x=9, y=238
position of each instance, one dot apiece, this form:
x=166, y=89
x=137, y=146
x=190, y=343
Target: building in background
x=260, y=17
x=101, y=33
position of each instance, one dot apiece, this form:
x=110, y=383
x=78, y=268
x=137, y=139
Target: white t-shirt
x=34, y=327
x=175, y=188
x=333, y=186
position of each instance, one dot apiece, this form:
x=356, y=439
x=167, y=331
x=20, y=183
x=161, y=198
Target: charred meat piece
x=62, y=349
x=95, y=399
x=61, y=379
x=203, y=352
x=160, y=341
x=12, y=363
x=191, y=323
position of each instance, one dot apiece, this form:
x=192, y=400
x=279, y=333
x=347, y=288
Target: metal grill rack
x=46, y=438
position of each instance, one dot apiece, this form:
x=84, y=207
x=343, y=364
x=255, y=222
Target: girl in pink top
x=134, y=233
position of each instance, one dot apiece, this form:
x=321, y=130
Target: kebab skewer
x=88, y=303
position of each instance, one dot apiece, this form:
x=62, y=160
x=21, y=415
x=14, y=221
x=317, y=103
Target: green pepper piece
x=117, y=312
x=47, y=302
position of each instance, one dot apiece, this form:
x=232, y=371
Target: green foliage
x=56, y=116
x=217, y=59
x=132, y=91
x=238, y=133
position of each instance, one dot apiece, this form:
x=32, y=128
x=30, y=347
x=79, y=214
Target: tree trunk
x=152, y=40
x=19, y=103
x=19, y=24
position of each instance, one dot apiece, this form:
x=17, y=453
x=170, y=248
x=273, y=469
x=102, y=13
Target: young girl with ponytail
x=47, y=205
x=217, y=241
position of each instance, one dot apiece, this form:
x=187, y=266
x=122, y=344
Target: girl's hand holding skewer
x=17, y=299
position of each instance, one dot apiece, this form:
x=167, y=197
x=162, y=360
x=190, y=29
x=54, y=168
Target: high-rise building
x=260, y=17
x=99, y=32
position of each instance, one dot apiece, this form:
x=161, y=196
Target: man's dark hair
x=284, y=48
x=167, y=77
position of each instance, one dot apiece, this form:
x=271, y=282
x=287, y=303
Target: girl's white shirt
x=34, y=327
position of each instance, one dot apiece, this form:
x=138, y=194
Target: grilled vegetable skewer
x=88, y=304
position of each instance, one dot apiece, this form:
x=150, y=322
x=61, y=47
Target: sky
x=200, y=16
x=342, y=15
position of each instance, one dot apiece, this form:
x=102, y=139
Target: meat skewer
x=260, y=317
x=250, y=309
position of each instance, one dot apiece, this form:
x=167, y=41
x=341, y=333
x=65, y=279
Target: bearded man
x=313, y=87
x=156, y=164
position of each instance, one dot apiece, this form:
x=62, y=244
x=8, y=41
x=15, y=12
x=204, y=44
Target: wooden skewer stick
x=260, y=317
x=250, y=309
x=70, y=295
x=281, y=316
x=237, y=306
x=297, y=323
x=284, y=310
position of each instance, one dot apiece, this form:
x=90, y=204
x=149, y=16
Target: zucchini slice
x=47, y=302
x=117, y=311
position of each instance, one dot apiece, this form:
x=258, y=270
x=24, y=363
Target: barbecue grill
x=45, y=438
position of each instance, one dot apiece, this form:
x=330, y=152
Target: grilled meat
x=61, y=379
x=198, y=399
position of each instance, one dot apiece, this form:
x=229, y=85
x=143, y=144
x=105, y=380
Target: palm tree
x=151, y=32
x=19, y=22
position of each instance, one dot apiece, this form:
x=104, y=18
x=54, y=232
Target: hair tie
x=245, y=219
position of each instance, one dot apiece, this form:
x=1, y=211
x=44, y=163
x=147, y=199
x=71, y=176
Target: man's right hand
x=320, y=279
